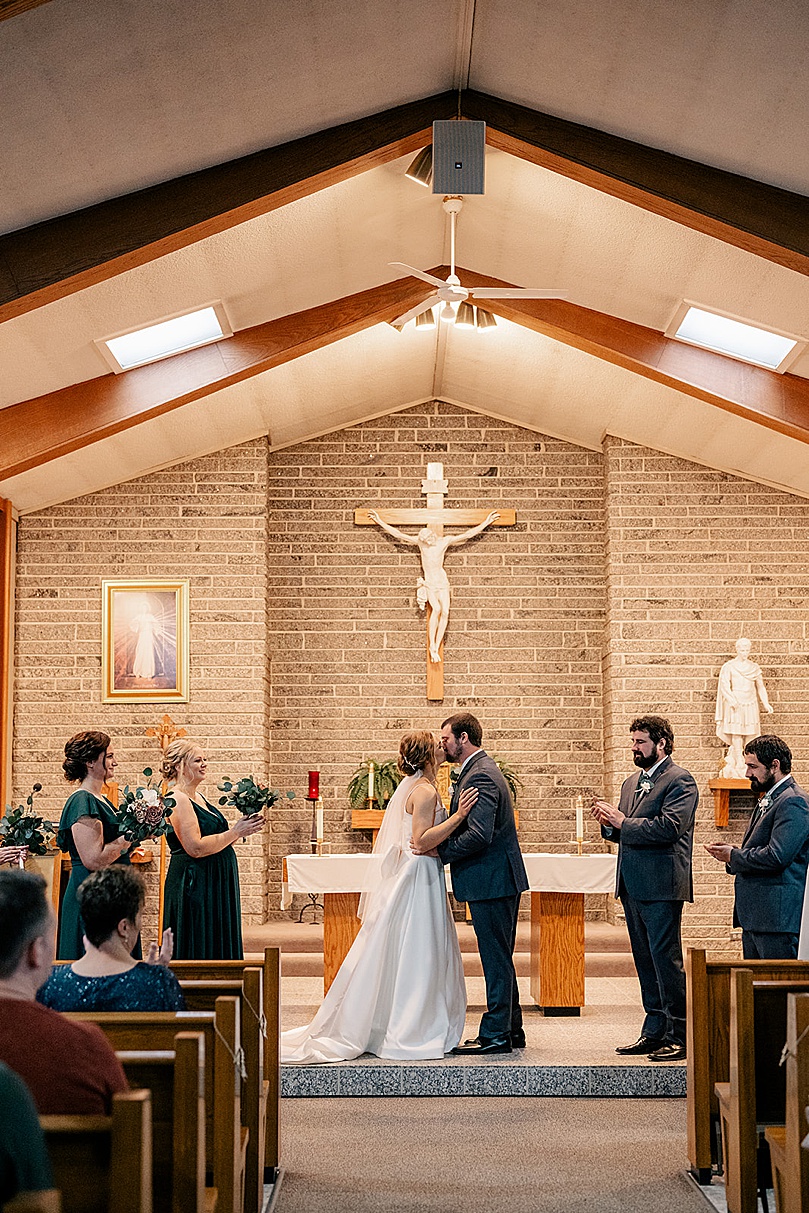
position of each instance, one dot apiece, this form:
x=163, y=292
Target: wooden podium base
x=340, y=929
x=557, y=952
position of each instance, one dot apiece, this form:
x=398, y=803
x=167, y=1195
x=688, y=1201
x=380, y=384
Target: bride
x=400, y=991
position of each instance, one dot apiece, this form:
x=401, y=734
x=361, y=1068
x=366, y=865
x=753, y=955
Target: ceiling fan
x=451, y=292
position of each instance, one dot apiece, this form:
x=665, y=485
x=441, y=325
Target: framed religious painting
x=144, y=641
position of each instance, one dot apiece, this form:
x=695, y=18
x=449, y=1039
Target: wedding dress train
x=400, y=992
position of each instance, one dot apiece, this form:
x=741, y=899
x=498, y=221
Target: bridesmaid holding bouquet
x=201, y=901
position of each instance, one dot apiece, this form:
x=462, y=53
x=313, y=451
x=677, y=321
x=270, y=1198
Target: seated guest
x=24, y=1164
x=107, y=978
x=68, y=1067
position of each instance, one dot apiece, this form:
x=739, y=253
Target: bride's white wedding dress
x=400, y=992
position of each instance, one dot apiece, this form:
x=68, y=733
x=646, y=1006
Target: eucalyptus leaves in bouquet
x=249, y=796
x=22, y=828
x=144, y=811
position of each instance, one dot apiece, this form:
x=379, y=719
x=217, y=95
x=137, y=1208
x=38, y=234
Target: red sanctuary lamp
x=313, y=796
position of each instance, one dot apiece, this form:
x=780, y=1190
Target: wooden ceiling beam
x=60, y=256
x=35, y=431
x=53, y=259
x=762, y=219
x=778, y=402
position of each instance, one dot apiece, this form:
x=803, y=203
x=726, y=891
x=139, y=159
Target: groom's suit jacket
x=655, y=840
x=483, y=853
x=770, y=865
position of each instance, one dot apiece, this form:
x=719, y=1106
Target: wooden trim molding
x=34, y=432
x=60, y=256
x=13, y=8
x=762, y=219
x=8, y=556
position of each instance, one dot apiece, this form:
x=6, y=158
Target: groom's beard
x=762, y=786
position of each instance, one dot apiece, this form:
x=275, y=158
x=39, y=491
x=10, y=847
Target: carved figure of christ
x=433, y=588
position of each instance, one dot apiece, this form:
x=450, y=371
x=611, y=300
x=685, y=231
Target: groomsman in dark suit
x=770, y=865
x=654, y=828
x=488, y=873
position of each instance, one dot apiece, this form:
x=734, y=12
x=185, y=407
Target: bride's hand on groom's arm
x=466, y=800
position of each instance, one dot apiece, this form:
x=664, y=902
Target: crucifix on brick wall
x=433, y=589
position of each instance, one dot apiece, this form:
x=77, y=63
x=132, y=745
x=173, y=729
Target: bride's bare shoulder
x=421, y=797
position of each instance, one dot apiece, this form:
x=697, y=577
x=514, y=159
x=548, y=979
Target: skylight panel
x=736, y=338
x=175, y=335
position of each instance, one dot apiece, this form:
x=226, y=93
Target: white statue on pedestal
x=741, y=686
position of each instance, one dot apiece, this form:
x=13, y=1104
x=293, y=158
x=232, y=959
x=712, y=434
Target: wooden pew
x=790, y=1163
x=176, y=1079
x=707, y=1039
x=226, y=1140
x=201, y=996
x=755, y=1095
x=220, y=970
x=103, y=1164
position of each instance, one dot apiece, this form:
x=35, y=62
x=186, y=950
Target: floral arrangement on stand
x=24, y=829
x=143, y=812
x=249, y=796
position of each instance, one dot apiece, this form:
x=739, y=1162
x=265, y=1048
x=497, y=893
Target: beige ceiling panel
x=672, y=75
x=112, y=97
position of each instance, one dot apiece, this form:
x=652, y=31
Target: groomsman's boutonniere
x=645, y=785
x=454, y=775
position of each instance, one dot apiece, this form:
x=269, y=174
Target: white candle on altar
x=579, y=818
x=319, y=820
x=370, y=781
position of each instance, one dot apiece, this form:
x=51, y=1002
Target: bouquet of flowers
x=248, y=796
x=143, y=812
x=22, y=828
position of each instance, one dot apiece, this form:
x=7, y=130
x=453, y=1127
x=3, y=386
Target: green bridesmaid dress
x=81, y=804
x=201, y=900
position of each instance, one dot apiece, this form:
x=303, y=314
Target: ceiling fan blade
x=514, y=293
x=417, y=310
x=400, y=265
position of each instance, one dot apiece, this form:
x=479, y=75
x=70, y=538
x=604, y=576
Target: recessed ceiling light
x=736, y=338
x=174, y=335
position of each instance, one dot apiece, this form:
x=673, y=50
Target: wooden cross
x=433, y=519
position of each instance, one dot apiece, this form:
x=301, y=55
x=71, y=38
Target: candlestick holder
x=316, y=835
x=578, y=843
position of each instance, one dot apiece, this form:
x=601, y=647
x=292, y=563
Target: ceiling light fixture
x=466, y=316
x=726, y=334
x=421, y=170
x=426, y=320
x=447, y=313
x=484, y=320
x=173, y=335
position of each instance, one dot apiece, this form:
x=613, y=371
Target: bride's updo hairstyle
x=175, y=756
x=415, y=751
x=81, y=752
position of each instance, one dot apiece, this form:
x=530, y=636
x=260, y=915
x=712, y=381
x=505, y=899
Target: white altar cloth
x=546, y=873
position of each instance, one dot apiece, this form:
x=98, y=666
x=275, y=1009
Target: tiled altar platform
x=565, y=1056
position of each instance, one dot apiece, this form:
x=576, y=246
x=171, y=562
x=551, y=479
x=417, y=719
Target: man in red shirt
x=69, y=1067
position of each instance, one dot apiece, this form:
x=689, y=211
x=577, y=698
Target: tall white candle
x=319, y=820
x=370, y=781
x=579, y=818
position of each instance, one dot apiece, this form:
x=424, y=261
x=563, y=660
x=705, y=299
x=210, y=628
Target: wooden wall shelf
x=722, y=789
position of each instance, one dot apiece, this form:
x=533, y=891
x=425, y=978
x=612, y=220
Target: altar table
x=557, y=884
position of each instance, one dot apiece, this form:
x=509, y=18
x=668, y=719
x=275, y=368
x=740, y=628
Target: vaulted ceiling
x=156, y=156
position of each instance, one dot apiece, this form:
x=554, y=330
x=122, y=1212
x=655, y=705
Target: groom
x=488, y=873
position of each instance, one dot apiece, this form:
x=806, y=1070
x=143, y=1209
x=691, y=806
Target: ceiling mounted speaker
x=459, y=154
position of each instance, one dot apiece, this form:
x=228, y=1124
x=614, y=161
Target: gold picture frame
x=144, y=641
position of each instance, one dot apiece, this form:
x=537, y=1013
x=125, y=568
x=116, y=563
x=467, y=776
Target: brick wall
x=623, y=588
x=524, y=640
x=696, y=558
x=204, y=520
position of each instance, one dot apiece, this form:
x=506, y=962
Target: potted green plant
x=387, y=778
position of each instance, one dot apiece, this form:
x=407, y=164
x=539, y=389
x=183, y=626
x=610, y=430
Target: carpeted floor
x=485, y=1156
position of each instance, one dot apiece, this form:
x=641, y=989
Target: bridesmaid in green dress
x=201, y=901
x=88, y=829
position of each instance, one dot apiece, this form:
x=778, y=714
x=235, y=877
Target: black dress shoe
x=484, y=1046
x=643, y=1045
x=672, y=1050
x=518, y=1039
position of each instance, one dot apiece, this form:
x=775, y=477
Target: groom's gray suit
x=488, y=873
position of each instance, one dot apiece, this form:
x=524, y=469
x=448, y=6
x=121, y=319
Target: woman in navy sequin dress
x=107, y=978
